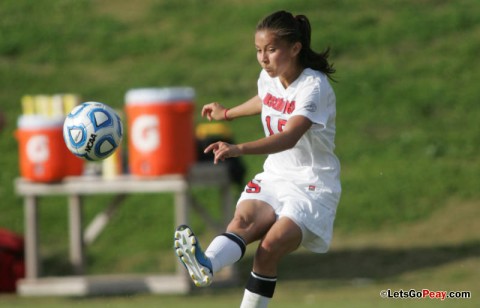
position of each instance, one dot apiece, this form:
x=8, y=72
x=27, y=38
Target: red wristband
x=225, y=115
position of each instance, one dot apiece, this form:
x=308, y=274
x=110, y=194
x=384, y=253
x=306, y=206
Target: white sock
x=254, y=300
x=225, y=250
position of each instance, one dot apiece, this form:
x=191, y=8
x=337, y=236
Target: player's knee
x=240, y=222
x=248, y=228
x=272, y=249
x=268, y=252
x=268, y=255
x=241, y=226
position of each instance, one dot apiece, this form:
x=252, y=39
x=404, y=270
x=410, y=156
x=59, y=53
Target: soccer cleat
x=190, y=253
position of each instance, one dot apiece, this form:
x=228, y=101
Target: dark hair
x=297, y=29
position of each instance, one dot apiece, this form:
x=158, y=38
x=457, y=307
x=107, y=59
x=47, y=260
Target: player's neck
x=289, y=77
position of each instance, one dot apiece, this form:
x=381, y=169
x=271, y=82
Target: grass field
x=413, y=256
x=407, y=135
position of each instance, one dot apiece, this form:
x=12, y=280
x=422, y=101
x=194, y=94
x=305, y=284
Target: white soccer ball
x=92, y=131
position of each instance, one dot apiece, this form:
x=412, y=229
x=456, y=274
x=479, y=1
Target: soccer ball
x=92, y=131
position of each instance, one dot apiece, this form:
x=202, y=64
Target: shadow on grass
x=342, y=264
x=56, y=264
x=371, y=263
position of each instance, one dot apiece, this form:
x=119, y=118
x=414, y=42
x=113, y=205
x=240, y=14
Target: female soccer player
x=294, y=200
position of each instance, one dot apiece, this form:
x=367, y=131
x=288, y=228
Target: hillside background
x=407, y=103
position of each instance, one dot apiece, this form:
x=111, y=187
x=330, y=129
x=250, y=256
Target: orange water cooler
x=161, y=136
x=43, y=155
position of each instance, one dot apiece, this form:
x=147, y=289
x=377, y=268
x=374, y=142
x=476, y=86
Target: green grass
x=407, y=132
x=411, y=256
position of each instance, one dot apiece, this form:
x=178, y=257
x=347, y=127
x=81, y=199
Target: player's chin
x=272, y=74
x=270, y=71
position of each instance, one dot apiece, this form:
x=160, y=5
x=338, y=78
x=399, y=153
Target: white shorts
x=312, y=207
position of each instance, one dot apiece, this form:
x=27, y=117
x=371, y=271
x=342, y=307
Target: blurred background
x=407, y=134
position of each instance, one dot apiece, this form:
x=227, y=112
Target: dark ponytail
x=297, y=29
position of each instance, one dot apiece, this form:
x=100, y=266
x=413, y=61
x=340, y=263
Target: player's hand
x=222, y=150
x=213, y=111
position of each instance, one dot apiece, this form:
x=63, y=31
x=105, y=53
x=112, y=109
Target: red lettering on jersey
x=267, y=100
x=290, y=107
x=253, y=188
x=279, y=104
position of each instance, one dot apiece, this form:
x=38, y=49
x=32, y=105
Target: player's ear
x=296, y=47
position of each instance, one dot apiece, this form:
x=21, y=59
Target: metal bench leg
x=77, y=255
x=31, y=238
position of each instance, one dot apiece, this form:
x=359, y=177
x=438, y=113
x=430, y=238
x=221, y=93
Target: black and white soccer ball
x=92, y=131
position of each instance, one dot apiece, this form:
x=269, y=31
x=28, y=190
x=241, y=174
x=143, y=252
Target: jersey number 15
x=279, y=128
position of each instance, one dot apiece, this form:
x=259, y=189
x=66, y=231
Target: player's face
x=278, y=58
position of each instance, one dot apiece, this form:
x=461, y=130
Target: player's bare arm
x=215, y=111
x=293, y=131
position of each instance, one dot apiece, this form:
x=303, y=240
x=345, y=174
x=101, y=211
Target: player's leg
x=251, y=221
x=283, y=237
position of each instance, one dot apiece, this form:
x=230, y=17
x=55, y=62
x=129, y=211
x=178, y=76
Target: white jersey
x=312, y=160
x=302, y=183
